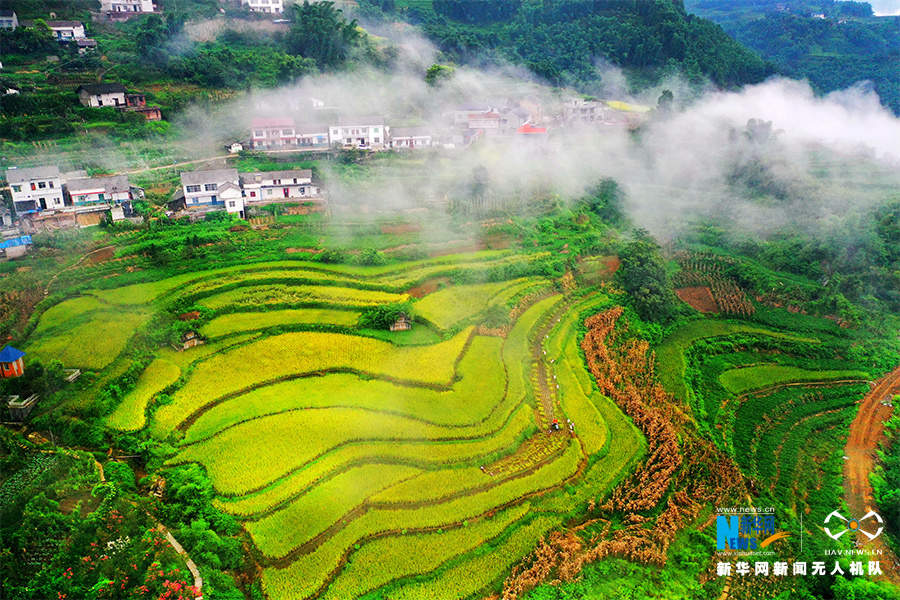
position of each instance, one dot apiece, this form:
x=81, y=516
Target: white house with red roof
x=488, y=123
x=272, y=132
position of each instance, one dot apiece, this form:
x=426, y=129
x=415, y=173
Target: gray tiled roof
x=208, y=176
x=362, y=120
x=116, y=183
x=410, y=132
x=294, y=174
x=29, y=173
x=95, y=89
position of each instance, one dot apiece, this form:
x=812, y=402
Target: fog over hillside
x=682, y=165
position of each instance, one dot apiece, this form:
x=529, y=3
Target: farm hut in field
x=20, y=409
x=189, y=340
x=403, y=323
x=11, y=363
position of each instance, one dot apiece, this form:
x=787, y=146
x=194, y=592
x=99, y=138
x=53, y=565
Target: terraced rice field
x=91, y=336
x=335, y=449
x=130, y=415
x=739, y=381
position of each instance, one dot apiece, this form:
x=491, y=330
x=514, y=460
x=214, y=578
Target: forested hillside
x=832, y=44
x=563, y=41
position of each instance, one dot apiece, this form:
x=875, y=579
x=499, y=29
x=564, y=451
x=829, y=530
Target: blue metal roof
x=10, y=354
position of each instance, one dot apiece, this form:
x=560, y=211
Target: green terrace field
x=334, y=445
x=770, y=399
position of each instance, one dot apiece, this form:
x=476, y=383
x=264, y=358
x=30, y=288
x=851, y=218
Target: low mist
x=699, y=159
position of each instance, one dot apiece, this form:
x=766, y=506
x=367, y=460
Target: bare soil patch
x=401, y=228
x=427, y=287
x=102, y=255
x=700, y=298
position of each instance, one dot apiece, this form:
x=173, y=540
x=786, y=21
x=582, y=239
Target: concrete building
x=367, y=132
x=275, y=7
x=206, y=188
x=35, y=188
x=8, y=19
x=411, y=138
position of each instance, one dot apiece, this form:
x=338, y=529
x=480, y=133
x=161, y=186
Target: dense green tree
x=477, y=11
x=382, y=317
x=644, y=278
x=437, y=74
x=320, y=32
x=607, y=201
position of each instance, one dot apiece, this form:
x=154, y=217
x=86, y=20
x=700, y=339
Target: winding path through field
x=866, y=431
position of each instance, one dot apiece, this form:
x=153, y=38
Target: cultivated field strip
x=292, y=354
x=334, y=449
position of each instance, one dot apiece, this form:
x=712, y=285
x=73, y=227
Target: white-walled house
x=135, y=7
x=92, y=191
x=312, y=135
x=266, y=187
x=97, y=95
x=276, y=133
x=488, y=123
x=67, y=30
x=367, y=131
x=265, y=6
x=272, y=133
x=461, y=113
x=578, y=110
x=8, y=19
x=35, y=188
x=411, y=138
x=209, y=188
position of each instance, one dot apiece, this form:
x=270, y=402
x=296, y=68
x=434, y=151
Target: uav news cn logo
x=749, y=531
x=843, y=525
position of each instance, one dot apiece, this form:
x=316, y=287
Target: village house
x=365, y=132
x=279, y=186
x=265, y=6
x=210, y=188
x=99, y=95
x=578, y=110
x=104, y=191
x=511, y=120
x=312, y=135
x=534, y=108
x=11, y=363
x=65, y=31
x=35, y=188
x=8, y=19
x=403, y=323
x=16, y=246
x=123, y=9
x=488, y=123
x=275, y=132
x=281, y=132
x=461, y=112
x=85, y=45
x=411, y=138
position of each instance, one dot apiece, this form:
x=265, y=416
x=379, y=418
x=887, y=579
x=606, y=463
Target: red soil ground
x=698, y=297
x=866, y=433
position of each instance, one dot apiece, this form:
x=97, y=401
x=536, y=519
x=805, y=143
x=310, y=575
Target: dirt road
x=866, y=431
